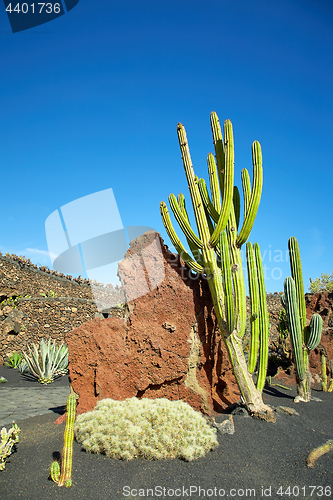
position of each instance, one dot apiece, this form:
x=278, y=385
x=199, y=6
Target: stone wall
x=43, y=317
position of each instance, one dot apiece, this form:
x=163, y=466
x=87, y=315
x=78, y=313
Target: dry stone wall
x=39, y=317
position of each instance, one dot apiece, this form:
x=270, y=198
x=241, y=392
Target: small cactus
x=62, y=474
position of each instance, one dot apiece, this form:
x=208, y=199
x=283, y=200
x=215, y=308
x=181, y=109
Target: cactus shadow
x=60, y=410
x=272, y=391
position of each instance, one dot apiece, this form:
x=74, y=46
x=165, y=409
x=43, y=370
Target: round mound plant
x=145, y=428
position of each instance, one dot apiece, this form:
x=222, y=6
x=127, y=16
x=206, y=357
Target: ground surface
x=254, y=462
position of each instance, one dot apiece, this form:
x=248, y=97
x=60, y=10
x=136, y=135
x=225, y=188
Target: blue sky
x=91, y=101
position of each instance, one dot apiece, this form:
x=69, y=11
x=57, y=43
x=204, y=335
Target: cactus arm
x=207, y=204
x=205, y=198
x=194, y=249
x=55, y=471
x=195, y=266
x=228, y=187
x=263, y=321
x=218, y=146
x=227, y=281
x=236, y=203
x=246, y=189
x=254, y=304
x=296, y=273
x=314, y=331
x=198, y=207
x=210, y=225
x=183, y=223
x=214, y=183
x=255, y=194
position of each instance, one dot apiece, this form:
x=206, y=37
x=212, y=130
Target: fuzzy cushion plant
x=147, y=428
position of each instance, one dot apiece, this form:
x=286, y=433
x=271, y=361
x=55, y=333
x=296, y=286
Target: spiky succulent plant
x=145, y=428
x=46, y=363
x=8, y=441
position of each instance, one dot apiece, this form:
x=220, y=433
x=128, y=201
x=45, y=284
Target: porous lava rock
x=167, y=346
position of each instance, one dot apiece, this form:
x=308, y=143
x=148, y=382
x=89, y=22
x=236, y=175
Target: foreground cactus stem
x=216, y=251
x=303, y=338
x=62, y=474
x=318, y=452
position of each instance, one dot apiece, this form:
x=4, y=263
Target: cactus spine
x=216, y=249
x=303, y=338
x=62, y=475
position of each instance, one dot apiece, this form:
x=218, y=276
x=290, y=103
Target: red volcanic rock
x=167, y=346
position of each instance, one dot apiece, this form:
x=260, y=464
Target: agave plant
x=48, y=362
x=14, y=360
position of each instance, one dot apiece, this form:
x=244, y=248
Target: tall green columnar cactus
x=217, y=248
x=259, y=334
x=62, y=475
x=303, y=338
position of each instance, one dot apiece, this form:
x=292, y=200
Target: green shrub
x=145, y=428
x=51, y=293
x=13, y=302
x=322, y=284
